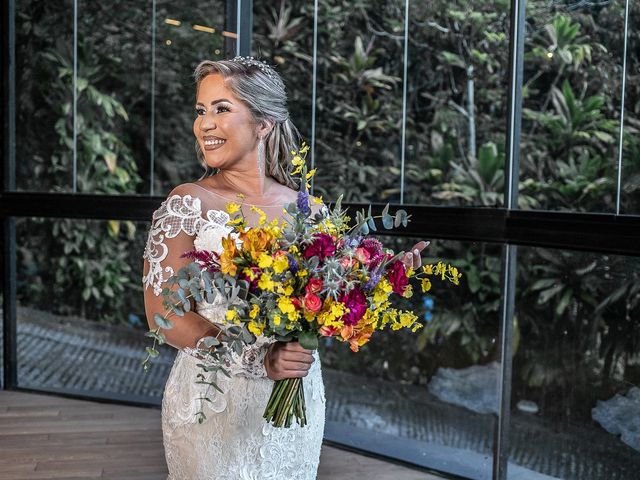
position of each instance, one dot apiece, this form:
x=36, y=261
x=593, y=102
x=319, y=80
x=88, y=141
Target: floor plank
x=45, y=437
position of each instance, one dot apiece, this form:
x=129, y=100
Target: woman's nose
x=207, y=123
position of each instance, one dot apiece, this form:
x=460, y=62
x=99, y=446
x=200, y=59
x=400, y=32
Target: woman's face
x=224, y=126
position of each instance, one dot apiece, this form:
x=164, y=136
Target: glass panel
x=81, y=319
x=283, y=37
x=457, y=102
x=571, y=102
x=428, y=397
x=576, y=367
x=44, y=121
x=114, y=96
x=359, y=107
x=630, y=191
x=187, y=32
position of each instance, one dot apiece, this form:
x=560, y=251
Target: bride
x=244, y=138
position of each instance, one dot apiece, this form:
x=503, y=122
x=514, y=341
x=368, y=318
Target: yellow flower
x=276, y=320
x=305, y=148
x=428, y=269
x=265, y=260
x=263, y=216
x=286, y=305
x=255, y=310
x=408, y=291
x=265, y=282
x=311, y=173
x=302, y=273
x=317, y=200
x=257, y=328
x=426, y=285
x=232, y=208
x=281, y=263
x=231, y=315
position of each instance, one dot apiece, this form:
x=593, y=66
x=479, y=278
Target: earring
x=261, y=157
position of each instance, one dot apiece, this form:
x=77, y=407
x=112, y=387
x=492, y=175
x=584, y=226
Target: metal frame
x=607, y=233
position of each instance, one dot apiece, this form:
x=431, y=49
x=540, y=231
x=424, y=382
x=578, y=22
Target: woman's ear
x=265, y=127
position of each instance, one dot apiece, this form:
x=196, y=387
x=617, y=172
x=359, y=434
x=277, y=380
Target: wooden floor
x=49, y=437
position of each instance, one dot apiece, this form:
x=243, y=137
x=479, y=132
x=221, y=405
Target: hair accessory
x=253, y=62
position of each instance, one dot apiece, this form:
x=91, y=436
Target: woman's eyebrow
x=216, y=101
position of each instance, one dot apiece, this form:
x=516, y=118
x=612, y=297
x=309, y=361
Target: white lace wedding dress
x=234, y=442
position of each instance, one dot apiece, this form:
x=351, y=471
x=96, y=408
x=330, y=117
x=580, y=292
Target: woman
x=244, y=137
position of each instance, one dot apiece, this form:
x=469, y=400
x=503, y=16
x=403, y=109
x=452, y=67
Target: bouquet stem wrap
x=285, y=403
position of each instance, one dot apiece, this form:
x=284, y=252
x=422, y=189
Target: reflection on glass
x=44, y=120
x=359, y=106
x=576, y=373
x=433, y=391
x=630, y=188
x=186, y=33
x=283, y=37
x=114, y=96
x=81, y=320
x=571, y=102
x=457, y=102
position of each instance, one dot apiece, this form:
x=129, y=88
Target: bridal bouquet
x=301, y=278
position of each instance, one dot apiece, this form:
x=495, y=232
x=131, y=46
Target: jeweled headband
x=252, y=62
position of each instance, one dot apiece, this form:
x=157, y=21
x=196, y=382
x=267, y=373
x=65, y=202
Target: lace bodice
x=234, y=442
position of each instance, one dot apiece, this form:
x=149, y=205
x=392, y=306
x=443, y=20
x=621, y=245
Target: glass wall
x=576, y=365
x=128, y=128
x=572, y=101
x=430, y=397
x=80, y=316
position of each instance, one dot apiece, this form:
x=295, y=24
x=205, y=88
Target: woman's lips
x=213, y=143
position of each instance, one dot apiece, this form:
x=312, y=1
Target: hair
x=262, y=90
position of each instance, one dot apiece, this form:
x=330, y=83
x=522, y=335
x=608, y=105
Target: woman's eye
x=200, y=111
x=222, y=108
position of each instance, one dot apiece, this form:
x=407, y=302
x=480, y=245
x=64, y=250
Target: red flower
x=323, y=246
x=312, y=302
x=397, y=275
x=356, y=302
x=314, y=285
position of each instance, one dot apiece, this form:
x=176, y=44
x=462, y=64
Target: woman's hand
x=412, y=258
x=287, y=360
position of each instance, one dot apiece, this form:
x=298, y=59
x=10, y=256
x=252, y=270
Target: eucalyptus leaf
x=162, y=322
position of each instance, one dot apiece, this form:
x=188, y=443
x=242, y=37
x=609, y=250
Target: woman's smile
x=211, y=142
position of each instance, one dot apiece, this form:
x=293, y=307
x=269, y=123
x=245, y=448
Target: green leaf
x=308, y=340
x=152, y=352
x=162, y=322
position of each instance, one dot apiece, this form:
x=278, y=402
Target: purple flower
x=293, y=265
x=323, y=246
x=356, y=302
x=374, y=279
x=303, y=203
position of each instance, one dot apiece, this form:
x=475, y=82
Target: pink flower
x=397, y=275
x=312, y=302
x=356, y=302
x=363, y=255
x=314, y=285
x=322, y=247
x=347, y=262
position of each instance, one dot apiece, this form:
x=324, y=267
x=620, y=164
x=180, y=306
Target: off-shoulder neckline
x=233, y=200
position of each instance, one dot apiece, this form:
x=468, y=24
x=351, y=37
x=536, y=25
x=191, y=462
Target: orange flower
x=230, y=251
x=256, y=241
x=327, y=331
